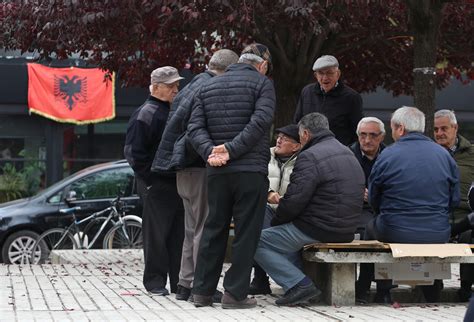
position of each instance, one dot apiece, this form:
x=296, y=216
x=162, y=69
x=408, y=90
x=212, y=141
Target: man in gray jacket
x=323, y=203
x=229, y=127
x=175, y=153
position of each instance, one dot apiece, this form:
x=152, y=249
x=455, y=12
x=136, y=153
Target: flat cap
x=290, y=130
x=261, y=51
x=166, y=75
x=325, y=62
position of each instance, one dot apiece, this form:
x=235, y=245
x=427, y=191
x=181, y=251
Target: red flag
x=72, y=95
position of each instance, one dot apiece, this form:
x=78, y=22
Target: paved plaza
x=106, y=286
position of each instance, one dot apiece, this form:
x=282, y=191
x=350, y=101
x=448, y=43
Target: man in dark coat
x=370, y=134
x=323, y=203
x=446, y=134
x=229, y=127
x=163, y=213
x=176, y=153
x=337, y=101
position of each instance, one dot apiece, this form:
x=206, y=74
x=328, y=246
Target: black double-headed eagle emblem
x=71, y=90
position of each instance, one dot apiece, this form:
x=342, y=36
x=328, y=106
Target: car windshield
x=54, y=186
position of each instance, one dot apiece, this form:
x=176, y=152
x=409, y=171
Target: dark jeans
x=163, y=232
x=241, y=196
x=366, y=276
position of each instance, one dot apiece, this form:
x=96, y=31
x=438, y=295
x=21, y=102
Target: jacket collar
x=464, y=143
x=414, y=136
x=321, y=135
x=336, y=91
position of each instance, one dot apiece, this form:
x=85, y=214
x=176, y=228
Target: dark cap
x=261, y=51
x=290, y=130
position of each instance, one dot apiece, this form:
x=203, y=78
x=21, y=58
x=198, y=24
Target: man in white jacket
x=280, y=167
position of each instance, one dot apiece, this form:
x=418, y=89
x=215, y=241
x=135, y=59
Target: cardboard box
x=413, y=273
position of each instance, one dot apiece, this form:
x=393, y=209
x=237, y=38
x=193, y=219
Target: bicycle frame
x=74, y=227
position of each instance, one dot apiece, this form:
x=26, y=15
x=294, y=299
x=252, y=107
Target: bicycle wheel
x=116, y=237
x=55, y=238
x=91, y=230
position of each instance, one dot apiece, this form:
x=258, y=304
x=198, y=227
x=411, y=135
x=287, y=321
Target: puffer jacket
x=235, y=109
x=279, y=174
x=464, y=157
x=326, y=191
x=175, y=152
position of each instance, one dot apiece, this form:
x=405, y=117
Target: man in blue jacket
x=229, y=128
x=413, y=187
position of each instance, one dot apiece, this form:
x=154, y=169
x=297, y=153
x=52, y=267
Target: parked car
x=21, y=221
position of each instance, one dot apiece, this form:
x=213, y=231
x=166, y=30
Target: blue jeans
x=278, y=253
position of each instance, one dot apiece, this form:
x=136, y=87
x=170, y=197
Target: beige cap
x=166, y=75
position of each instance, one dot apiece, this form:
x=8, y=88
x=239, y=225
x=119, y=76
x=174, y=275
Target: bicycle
x=125, y=232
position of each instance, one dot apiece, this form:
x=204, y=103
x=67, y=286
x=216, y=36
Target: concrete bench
x=333, y=266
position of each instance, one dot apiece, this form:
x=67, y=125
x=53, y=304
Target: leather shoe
x=159, y=291
x=229, y=302
x=182, y=293
x=383, y=297
x=202, y=300
x=217, y=297
x=299, y=294
x=258, y=287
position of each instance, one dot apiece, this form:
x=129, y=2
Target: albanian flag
x=72, y=95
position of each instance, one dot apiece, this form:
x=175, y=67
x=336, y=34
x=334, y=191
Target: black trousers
x=431, y=292
x=163, y=232
x=241, y=196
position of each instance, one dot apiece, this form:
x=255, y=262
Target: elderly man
x=370, y=133
x=280, y=167
x=163, y=223
x=413, y=201
x=176, y=153
x=340, y=103
x=323, y=203
x=229, y=127
x=446, y=134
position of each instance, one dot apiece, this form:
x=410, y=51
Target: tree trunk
x=425, y=19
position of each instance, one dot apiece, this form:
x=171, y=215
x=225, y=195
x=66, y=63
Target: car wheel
x=18, y=247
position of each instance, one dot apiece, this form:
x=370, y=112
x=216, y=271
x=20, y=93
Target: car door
x=95, y=191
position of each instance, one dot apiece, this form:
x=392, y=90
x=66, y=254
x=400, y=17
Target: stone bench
x=333, y=266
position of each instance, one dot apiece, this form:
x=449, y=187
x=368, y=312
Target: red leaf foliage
x=371, y=39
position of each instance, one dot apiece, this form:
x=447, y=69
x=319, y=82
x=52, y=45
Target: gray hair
x=221, y=59
x=410, y=117
x=314, y=122
x=371, y=119
x=250, y=59
x=447, y=113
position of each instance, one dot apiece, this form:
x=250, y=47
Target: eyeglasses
x=284, y=138
x=364, y=135
x=328, y=73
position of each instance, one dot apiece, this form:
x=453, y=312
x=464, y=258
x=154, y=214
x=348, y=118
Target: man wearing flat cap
x=330, y=97
x=163, y=212
x=280, y=167
x=229, y=128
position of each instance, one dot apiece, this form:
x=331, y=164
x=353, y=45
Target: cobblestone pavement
x=106, y=286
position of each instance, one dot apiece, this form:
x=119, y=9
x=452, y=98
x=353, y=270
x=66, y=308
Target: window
x=104, y=184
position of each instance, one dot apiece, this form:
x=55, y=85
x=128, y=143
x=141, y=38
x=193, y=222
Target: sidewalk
x=106, y=285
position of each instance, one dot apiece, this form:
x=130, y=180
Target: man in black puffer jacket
x=229, y=128
x=323, y=203
x=176, y=153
